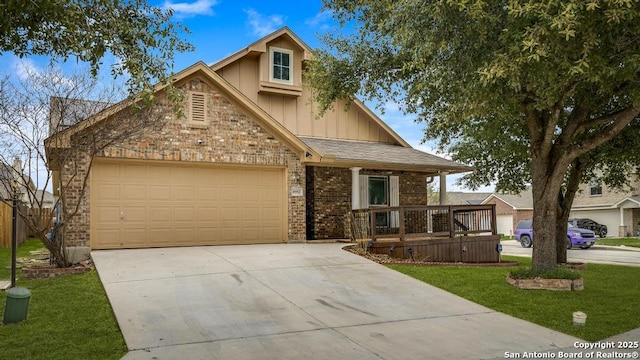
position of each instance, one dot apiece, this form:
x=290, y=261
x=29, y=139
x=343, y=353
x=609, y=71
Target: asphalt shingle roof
x=381, y=153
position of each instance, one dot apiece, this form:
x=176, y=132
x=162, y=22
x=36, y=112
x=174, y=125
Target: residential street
x=598, y=254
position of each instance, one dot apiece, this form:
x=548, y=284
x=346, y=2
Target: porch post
x=443, y=187
x=622, y=229
x=355, y=187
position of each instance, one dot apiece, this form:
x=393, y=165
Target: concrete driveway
x=298, y=301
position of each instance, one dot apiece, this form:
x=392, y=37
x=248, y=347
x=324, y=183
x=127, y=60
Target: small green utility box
x=17, y=305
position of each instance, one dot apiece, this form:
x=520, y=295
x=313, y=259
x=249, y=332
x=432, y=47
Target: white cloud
x=263, y=25
x=185, y=9
x=320, y=21
x=24, y=68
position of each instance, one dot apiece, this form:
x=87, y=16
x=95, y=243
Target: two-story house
x=619, y=210
x=249, y=162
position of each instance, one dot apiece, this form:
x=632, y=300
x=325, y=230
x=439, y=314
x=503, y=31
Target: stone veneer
x=229, y=136
x=547, y=284
x=329, y=198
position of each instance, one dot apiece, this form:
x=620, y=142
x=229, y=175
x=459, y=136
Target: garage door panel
x=185, y=193
x=251, y=232
x=184, y=214
x=136, y=237
x=270, y=235
x=108, y=191
x=229, y=193
x=251, y=214
x=163, y=204
x=208, y=193
x=134, y=192
x=160, y=214
x=108, y=214
x=229, y=234
x=134, y=214
x=185, y=175
x=107, y=172
x=133, y=173
x=108, y=238
x=159, y=192
x=251, y=195
x=271, y=195
x=270, y=214
x=159, y=174
x=208, y=214
x=184, y=235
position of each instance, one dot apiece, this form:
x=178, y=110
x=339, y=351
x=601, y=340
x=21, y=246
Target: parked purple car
x=575, y=236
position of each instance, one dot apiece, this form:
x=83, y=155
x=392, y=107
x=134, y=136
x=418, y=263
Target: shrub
x=558, y=273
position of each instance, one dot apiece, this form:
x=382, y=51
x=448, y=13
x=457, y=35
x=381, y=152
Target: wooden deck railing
x=421, y=222
x=456, y=233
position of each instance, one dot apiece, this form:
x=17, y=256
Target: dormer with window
x=281, y=69
x=280, y=65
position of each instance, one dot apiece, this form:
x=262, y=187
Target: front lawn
x=633, y=242
x=68, y=318
x=609, y=298
x=23, y=251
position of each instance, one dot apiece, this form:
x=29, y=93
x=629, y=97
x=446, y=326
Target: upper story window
x=595, y=188
x=281, y=65
x=197, y=107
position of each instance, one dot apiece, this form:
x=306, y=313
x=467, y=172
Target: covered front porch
x=441, y=233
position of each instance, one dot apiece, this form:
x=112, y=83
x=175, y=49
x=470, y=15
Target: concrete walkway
x=298, y=301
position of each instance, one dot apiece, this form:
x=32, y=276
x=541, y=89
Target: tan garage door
x=137, y=204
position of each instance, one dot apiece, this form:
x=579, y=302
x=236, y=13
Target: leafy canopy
x=140, y=36
x=497, y=82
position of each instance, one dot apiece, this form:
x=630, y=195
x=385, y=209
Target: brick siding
x=329, y=198
x=230, y=136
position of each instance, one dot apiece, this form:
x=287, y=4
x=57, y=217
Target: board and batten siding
x=297, y=113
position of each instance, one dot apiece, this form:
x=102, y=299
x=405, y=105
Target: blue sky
x=221, y=27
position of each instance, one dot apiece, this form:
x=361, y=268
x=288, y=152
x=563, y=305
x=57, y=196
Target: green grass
x=68, y=318
x=634, y=242
x=609, y=298
x=23, y=251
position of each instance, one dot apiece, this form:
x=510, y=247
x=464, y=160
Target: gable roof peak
x=260, y=46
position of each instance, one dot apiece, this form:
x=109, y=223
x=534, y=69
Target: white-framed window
x=197, y=107
x=378, y=191
x=381, y=191
x=595, y=188
x=281, y=65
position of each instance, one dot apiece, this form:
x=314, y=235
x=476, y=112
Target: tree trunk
x=544, y=231
x=561, y=239
x=546, y=186
x=565, y=202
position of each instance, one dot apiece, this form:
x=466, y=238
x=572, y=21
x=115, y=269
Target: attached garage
x=608, y=217
x=139, y=204
x=505, y=224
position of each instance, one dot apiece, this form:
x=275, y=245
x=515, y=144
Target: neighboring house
x=66, y=112
x=511, y=209
x=11, y=176
x=466, y=198
x=619, y=210
x=249, y=162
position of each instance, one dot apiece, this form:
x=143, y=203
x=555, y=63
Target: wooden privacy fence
x=41, y=216
x=456, y=233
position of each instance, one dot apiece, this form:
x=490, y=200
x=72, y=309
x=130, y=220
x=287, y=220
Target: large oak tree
x=539, y=92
